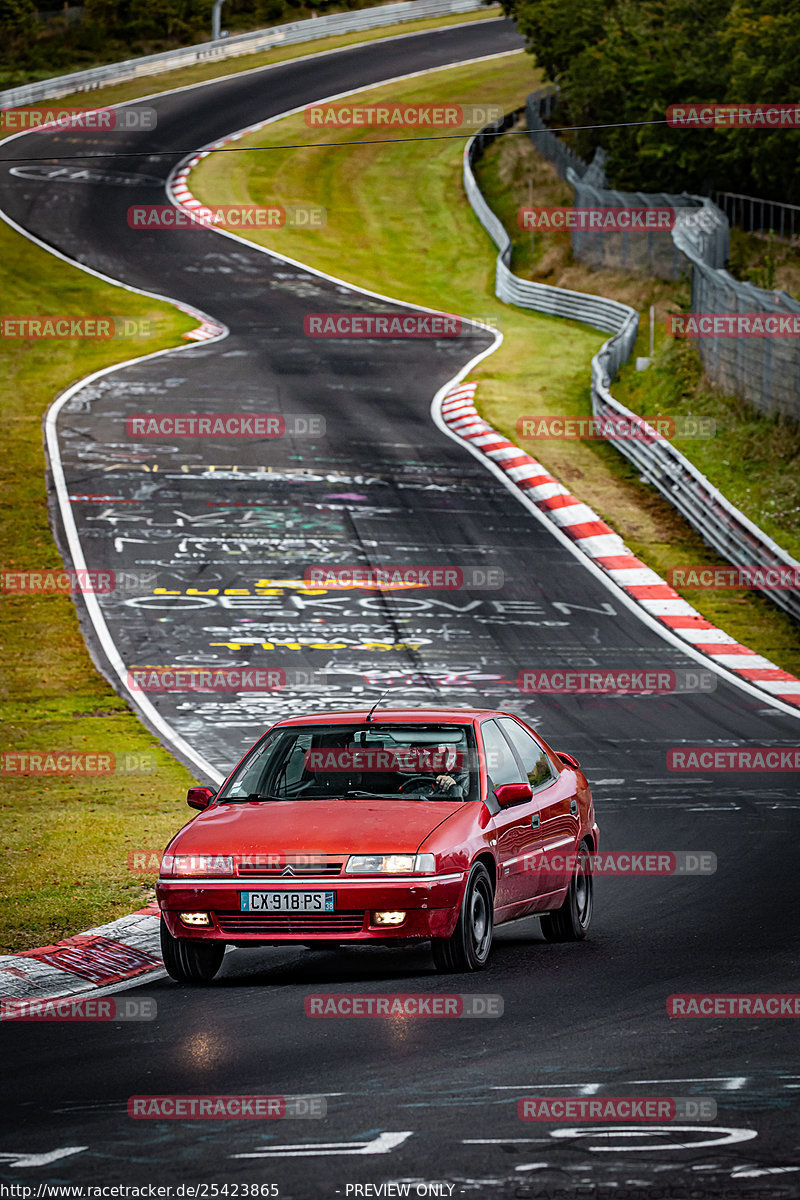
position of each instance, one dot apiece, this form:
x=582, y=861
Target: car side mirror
x=199, y=797
x=568, y=760
x=512, y=793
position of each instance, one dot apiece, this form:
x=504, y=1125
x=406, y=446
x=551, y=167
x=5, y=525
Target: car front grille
x=265, y=867
x=298, y=924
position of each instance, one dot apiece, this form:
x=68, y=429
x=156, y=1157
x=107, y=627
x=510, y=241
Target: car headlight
x=390, y=864
x=197, y=864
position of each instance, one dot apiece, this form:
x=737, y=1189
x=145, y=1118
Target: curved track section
x=229, y=528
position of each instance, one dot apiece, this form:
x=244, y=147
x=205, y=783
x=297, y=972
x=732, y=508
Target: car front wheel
x=190, y=961
x=471, y=942
x=570, y=923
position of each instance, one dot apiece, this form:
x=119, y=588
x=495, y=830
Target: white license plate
x=297, y=902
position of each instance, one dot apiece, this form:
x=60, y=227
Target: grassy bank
x=64, y=840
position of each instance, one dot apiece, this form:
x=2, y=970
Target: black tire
x=469, y=946
x=190, y=961
x=571, y=922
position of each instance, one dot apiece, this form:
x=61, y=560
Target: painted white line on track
x=21, y=1160
x=384, y=1143
x=722, y=1136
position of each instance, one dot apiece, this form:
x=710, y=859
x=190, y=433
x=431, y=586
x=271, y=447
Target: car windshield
x=391, y=762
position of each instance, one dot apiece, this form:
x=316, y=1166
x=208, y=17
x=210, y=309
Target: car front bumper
x=431, y=905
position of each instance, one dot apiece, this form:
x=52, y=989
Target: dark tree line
x=619, y=61
x=110, y=30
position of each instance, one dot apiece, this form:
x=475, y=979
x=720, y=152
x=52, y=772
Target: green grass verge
x=64, y=841
x=399, y=223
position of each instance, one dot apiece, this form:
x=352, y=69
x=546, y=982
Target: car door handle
x=573, y=807
x=536, y=821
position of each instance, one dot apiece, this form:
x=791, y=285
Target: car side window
x=252, y=778
x=535, y=762
x=293, y=768
x=501, y=765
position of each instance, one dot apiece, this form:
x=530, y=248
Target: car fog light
x=388, y=918
x=195, y=918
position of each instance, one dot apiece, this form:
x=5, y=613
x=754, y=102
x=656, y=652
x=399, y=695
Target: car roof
x=409, y=716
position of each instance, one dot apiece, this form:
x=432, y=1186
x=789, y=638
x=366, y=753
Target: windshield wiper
x=252, y=797
x=362, y=792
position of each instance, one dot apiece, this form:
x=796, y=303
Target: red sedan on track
x=432, y=824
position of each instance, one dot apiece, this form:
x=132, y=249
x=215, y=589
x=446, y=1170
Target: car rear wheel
x=570, y=923
x=471, y=942
x=190, y=961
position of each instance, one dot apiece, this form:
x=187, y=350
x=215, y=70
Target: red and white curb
x=207, y=329
x=599, y=542
x=89, y=962
x=180, y=190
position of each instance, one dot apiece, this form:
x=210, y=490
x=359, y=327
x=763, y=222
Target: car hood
x=353, y=826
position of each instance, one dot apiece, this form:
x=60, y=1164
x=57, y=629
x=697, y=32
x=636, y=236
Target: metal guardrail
x=719, y=522
x=608, y=315
x=754, y=215
x=233, y=47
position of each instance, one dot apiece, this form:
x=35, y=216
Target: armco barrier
x=233, y=47
x=721, y=525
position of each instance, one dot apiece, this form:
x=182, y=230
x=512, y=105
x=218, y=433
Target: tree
x=620, y=64
x=17, y=18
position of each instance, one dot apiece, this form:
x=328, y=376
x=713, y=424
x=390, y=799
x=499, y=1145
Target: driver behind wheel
x=449, y=784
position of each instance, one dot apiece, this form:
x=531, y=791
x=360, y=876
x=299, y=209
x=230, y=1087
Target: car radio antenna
x=377, y=702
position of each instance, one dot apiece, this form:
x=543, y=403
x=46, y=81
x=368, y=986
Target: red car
x=415, y=824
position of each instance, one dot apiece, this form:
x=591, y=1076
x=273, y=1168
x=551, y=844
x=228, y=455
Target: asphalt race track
x=413, y=1100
